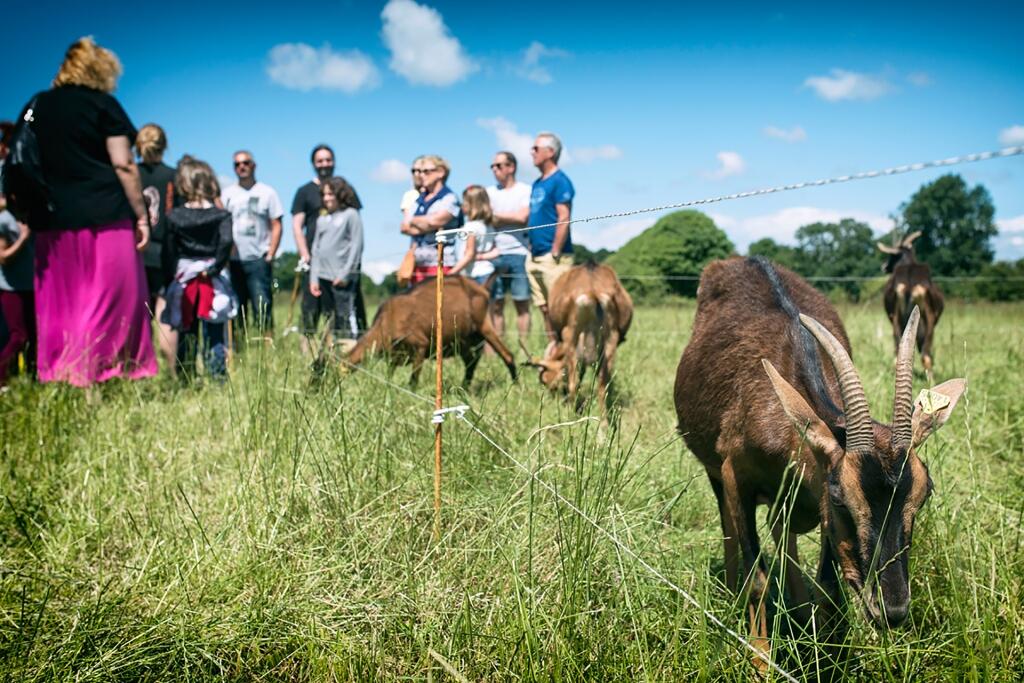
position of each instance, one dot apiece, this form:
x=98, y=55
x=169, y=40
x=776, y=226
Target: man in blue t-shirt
x=550, y=202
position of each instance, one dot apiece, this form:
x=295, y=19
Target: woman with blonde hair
x=161, y=195
x=90, y=282
x=437, y=208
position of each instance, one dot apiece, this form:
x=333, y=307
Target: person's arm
x=120, y=150
x=299, y=232
x=9, y=249
x=562, y=229
x=488, y=255
x=225, y=240
x=355, y=250
x=421, y=225
x=468, y=256
x=314, y=260
x=504, y=221
x=275, y=239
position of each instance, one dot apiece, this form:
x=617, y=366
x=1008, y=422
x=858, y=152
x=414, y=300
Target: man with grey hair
x=551, y=206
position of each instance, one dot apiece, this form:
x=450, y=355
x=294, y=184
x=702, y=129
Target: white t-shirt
x=503, y=201
x=484, y=242
x=251, y=213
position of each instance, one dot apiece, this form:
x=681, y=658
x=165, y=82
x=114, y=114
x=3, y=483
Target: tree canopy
x=956, y=223
x=680, y=244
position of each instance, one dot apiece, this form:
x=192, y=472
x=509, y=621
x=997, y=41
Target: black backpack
x=24, y=184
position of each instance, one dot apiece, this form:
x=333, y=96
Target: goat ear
x=818, y=435
x=933, y=407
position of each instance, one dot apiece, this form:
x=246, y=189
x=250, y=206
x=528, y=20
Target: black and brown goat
x=771, y=422
x=910, y=284
x=590, y=313
x=403, y=327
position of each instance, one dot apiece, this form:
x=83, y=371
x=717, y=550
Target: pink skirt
x=91, y=297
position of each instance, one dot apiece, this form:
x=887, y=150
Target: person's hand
x=314, y=287
x=269, y=258
x=141, y=233
x=406, y=228
x=304, y=255
x=556, y=256
x=340, y=282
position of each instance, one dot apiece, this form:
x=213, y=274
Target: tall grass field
x=269, y=530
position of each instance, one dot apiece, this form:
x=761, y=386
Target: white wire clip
x=449, y=236
x=438, y=418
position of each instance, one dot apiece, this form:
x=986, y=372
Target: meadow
x=268, y=530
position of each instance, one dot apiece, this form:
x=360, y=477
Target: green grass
x=261, y=530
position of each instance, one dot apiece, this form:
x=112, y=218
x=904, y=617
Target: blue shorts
x=512, y=278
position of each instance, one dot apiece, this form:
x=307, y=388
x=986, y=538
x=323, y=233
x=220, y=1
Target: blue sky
x=655, y=102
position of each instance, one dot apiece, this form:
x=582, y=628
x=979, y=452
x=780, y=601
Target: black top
x=196, y=234
x=72, y=123
x=307, y=201
x=161, y=196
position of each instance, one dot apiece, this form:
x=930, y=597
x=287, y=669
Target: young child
x=196, y=249
x=335, y=258
x=475, y=254
x=16, y=301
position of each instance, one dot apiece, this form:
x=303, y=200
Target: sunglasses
x=244, y=162
x=424, y=170
x=499, y=165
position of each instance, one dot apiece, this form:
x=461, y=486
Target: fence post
x=437, y=396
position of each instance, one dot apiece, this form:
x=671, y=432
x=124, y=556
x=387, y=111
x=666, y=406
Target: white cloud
x=781, y=226
x=848, y=85
x=390, y=171
x=611, y=236
x=1017, y=241
x=584, y=155
x=377, y=270
x=422, y=49
x=729, y=164
x=1014, y=135
x=794, y=134
x=1015, y=224
x=920, y=79
x=530, y=67
x=298, y=66
x=508, y=137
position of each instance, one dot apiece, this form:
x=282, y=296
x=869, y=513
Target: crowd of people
x=116, y=249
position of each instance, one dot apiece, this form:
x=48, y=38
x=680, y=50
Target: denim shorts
x=512, y=278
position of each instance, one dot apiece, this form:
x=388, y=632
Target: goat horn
x=530, y=358
x=903, y=400
x=911, y=237
x=859, y=430
x=886, y=249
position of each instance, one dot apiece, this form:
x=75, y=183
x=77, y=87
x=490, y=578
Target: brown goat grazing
x=404, y=327
x=761, y=412
x=910, y=284
x=590, y=313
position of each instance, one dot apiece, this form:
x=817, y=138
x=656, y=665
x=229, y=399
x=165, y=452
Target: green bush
x=678, y=245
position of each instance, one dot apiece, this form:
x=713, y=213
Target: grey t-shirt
x=16, y=274
x=338, y=246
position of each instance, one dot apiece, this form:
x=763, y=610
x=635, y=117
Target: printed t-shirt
x=547, y=193
x=251, y=213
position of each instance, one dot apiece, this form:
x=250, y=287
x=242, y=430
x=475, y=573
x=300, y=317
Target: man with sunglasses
x=510, y=200
x=256, y=215
x=550, y=203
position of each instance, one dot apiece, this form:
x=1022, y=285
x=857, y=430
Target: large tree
x=679, y=245
x=956, y=225
x=837, y=250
